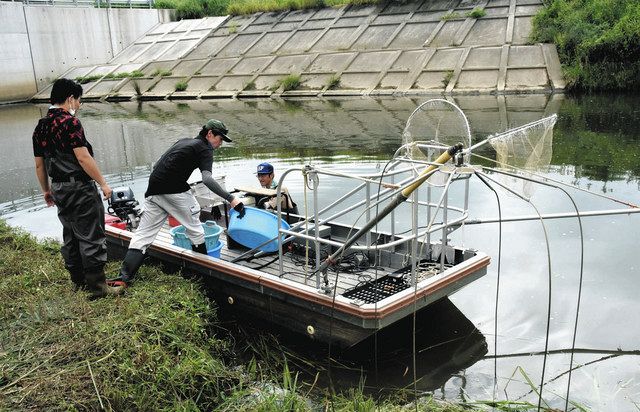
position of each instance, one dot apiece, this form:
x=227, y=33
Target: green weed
x=181, y=86
x=87, y=79
x=161, y=73
x=476, y=13
x=451, y=16
x=333, y=82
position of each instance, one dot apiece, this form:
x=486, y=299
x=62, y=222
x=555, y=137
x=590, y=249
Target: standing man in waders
x=62, y=152
x=168, y=193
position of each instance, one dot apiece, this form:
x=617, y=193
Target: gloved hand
x=240, y=209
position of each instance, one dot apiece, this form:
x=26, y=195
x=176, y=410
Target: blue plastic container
x=257, y=226
x=215, y=252
x=211, y=234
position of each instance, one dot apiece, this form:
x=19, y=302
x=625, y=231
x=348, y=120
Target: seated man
x=265, y=176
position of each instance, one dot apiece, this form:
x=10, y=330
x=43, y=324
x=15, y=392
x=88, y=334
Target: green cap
x=218, y=128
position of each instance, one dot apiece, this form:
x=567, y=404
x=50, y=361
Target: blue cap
x=264, y=169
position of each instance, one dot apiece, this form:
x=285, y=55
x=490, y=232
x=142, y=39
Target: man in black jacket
x=168, y=193
x=62, y=153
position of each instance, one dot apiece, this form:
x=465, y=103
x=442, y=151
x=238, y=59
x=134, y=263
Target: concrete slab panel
x=522, y=27
x=372, y=61
x=478, y=79
x=102, y=70
x=150, y=38
x=300, y=41
x=187, y=67
x=392, y=80
x=525, y=56
x=374, y=37
x=444, y=59
x=287, y=25
x=185, y=24
x=268, y=43
x=431, y=81
x=497, y=11
x=528, y=10
x=238, y=45
x=298, y=15
x=434, y=16
x=176, y=51
x=328, y=13
x=331, y=62
x=204, y=49
x=447, y=34
x=129, y=25
x=390, y=19
x=255, y=28
x=210, y=22
x=527, y=78
x=154, y=51
x=232, y=83
x=166, y=85
x=172, y=36
x=483, y=57
x=219, y=66
x=470, y=4
x=350, y=21
x=103, y=87
x=413, y=35
x=130, y=53
x=358, y=80
x=78, y=72
x=201, y=83
x=315, y=81
x=334, y=39
x=395, y=8
x=154, y=67
x=495, y=3
x=487, y=32
x=408, y=60
x=360, y=11
x=269, y=17
x=438, y=5
x=264, y=82
x=130, y=88
x=165, y=27
x=251, y=65
x=289, y=64
x=317, y=24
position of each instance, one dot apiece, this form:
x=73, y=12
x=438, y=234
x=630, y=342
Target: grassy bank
x=190, y=9
x=158, y=348
x=598, y=42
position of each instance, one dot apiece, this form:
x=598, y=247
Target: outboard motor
x=124, y=205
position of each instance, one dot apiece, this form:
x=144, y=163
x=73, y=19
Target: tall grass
x=598, y=41
x=189, y=9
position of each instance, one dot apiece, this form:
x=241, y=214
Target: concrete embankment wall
x=438, y=47
x=39, y=43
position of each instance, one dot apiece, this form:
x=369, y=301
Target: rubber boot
x=201, y=248
x=98, y=288
x=77, y=277
x=130, y=265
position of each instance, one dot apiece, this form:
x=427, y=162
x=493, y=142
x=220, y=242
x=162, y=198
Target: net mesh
x=526, y=148
x=438, y=122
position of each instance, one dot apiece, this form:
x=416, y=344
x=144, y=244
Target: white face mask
x=72, y=112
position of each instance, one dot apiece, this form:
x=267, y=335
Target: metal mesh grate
x=375, y=291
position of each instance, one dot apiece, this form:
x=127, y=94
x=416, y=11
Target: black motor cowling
x=124, y=205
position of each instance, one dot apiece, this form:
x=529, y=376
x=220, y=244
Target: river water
x=596, y=146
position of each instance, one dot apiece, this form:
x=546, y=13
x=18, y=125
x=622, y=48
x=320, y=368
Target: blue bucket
x=215, y=252
x=256, y=227
x=211, y=234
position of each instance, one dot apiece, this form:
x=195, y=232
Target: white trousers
x=182, y=206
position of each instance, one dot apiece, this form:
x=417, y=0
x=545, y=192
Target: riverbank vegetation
x=191, y=9
x=598, y=42
x=158, y=348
